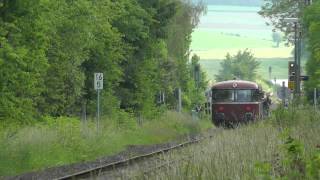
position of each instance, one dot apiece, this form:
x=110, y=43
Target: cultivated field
x=228, y=29
x=279, y=68
x=211, y=44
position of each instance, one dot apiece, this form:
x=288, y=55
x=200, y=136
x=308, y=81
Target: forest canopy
x=49, y=51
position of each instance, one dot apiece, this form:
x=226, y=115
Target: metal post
x=98, y=110
x=210, y=102
x=283, y=90
x=180, y=101
x=159, y=100
x=296, y=60
x=299, y=64
x=163, y=98
x=98, y=85
x=315, y=99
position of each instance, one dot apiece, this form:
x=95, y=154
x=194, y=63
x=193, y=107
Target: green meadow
x=279, y=68
x=205, y=39
x=228, y=29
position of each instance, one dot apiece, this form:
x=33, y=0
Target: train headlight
x=248, y=108
x=221, y=108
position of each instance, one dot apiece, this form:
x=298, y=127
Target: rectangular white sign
x=98, y=81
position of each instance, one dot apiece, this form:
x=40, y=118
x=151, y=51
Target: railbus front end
x=235, y=102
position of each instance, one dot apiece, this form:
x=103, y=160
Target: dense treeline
x=49, y=51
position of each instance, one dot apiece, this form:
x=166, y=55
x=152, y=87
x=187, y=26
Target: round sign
x=235, y=85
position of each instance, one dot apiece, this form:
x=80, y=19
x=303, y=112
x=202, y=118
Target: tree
x=312, y=23
x=49, y=51
x=277, y=10
x=243, y=66
x=23, y=44
x=178, y=43
x=198, y=85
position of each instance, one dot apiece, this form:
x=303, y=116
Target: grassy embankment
x=286, y=146
x=63, y=141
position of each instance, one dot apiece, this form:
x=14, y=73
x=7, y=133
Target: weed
x=282, y=147
x=60, y=141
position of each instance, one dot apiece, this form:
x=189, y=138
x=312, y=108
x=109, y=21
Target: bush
x=293, y=164
x=297, y=156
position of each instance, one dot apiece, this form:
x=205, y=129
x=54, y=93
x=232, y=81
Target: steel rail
x=146, y=172
x=93, y=171
x=166, y=164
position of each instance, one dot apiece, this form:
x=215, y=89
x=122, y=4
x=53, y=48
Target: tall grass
x=283, y=147
x=63, y=141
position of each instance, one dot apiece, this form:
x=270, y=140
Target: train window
x=244, y=95
x=223, y=96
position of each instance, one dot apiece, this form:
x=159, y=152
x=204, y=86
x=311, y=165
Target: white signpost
x=98, y=85
x=98, y=81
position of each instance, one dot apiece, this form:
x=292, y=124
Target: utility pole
x=297, y=54
x=299, y=64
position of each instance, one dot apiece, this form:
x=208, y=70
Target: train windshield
x=243, y=95
x=238, y=95
x=223, y=96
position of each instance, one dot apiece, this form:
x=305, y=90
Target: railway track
x=113, y=170
x=149, y=167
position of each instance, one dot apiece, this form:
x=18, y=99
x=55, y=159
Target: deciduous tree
x=242, y=66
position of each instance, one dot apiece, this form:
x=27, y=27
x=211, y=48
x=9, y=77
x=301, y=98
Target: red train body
x=235, y=102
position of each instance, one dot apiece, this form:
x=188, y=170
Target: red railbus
x=235, y=102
